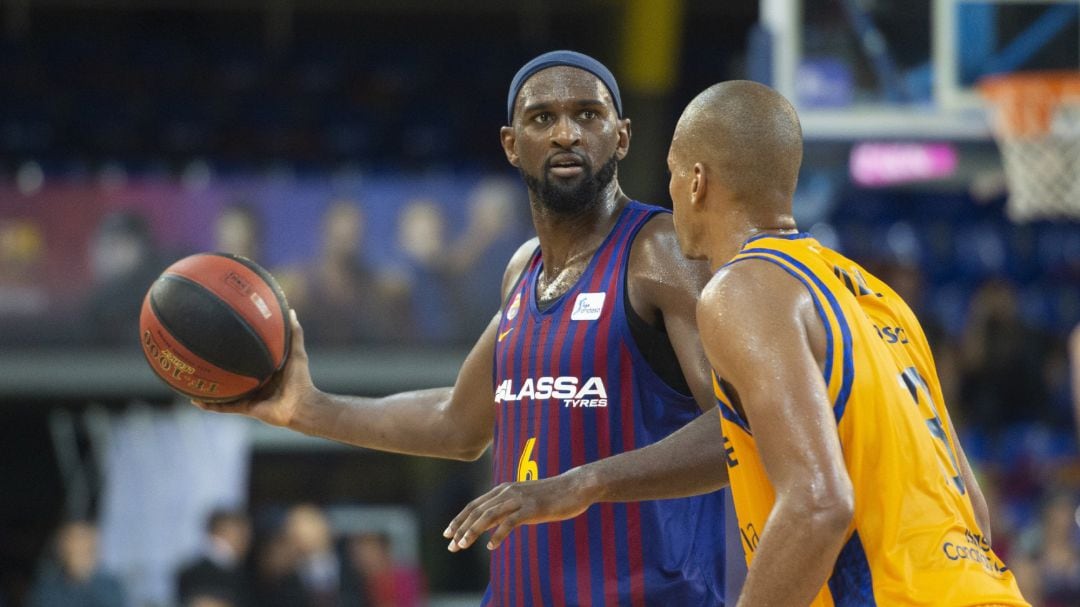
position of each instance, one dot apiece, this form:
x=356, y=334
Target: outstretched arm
x=763, y=337
x=455, y=423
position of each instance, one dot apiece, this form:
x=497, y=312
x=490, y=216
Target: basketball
x=214, y=327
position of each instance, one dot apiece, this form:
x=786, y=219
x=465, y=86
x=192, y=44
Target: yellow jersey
x=914, y=539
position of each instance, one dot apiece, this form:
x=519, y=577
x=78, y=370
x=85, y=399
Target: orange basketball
x=214, y=327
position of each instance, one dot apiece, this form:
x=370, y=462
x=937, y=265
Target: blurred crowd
x=1009, y=386
x=439, y=290
x=299, y=561
x=997, y=301
x=436, y=282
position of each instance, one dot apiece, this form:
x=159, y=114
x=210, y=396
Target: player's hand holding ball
x=217, y=329
x=276, y=402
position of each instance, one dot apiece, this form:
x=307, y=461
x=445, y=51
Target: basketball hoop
x=1036, y=122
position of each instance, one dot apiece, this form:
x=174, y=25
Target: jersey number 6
x=528, y=470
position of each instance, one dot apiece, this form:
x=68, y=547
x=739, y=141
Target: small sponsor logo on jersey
x=503, y=335
x=892, y=335
x=976, y=549
x=984, y=558
x=512, y=311
x=588, y=306
x=569, y=389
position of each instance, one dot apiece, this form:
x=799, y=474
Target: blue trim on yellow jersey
x=723, y=404
x=798, y=236
x=851, y=583
x=817, y=305
x=847, y=379
x=733, y=416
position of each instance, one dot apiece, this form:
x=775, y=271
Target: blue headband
x=557, y=58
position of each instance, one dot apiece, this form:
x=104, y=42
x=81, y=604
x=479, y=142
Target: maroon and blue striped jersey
x=571, y=388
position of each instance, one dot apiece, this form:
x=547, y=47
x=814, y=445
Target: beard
x=574, y=198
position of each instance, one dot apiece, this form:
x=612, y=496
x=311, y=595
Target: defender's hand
x=277, y=402
x=512, y=504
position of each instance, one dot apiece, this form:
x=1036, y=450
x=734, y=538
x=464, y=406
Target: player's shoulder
x=752, y=287
x=656, y=238
x=655, y=257
x=518, y=261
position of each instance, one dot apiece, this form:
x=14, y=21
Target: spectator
x=219, y=571
x=906, y=279
x=346, y=296
x=1028, y=578
x=74, y=579
x=494, y=230
x=436, y=309
x=277, y=582
x=1060, y=562
x=325, y=581
x=124, y=264
x=1052, y=548
x=1057, y=385
x=24, y=301
x=386, y=583
x=1002, y=370
x=237, y=230
x=209, y=600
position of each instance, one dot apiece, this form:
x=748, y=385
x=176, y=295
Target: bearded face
x=566, y=140
x=574, y=194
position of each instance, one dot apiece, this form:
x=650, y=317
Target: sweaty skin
x=733, y=173
x=564, y=116
x=772, y=357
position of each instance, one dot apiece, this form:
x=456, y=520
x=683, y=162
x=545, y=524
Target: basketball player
x=849, y=483
x=594, y=352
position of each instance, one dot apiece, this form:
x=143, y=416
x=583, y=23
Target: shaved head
x=749, y=137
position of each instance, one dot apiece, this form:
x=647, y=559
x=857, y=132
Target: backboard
x=905, y=69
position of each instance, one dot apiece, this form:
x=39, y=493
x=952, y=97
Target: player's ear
x=508, y=138
x=699, y=184
x=622, y=148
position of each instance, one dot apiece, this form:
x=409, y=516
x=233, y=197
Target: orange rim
x=1025, y=102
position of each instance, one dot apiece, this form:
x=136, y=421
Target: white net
x=1037, y=127
x=1043, y=171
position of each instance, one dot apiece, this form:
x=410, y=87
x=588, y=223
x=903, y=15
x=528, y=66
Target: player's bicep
x=754, y=327
x=667, y=281
x=471, y=405
x=681, y=326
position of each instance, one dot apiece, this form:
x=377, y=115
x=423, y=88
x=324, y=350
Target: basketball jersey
x=914, y=539
x=571, y=388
